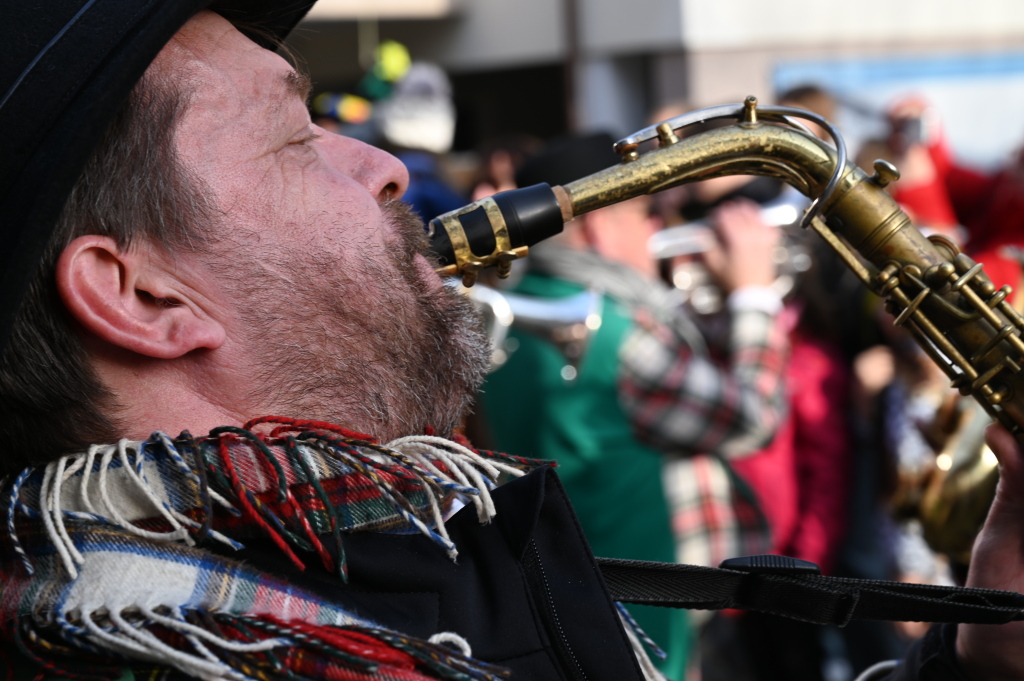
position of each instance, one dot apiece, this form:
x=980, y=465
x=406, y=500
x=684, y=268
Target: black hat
x=66, y=67
x=569, y=158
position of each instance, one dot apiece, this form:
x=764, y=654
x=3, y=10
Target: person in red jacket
x=801, y=478
x=941, y=195
x=801, y=482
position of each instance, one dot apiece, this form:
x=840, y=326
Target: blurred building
x=542, y=66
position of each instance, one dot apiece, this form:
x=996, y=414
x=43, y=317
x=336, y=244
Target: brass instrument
x=695, y=237
x=567, y=323
x=961, y=320
x=699, y=292
x=949, y=493
x=956, y=496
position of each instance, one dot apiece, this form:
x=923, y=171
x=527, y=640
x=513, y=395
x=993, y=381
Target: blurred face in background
x=620, y=233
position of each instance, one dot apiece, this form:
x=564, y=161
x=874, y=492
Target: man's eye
x=305, y=139
x=304, y=136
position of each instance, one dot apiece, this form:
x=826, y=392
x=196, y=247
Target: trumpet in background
x=697, y=288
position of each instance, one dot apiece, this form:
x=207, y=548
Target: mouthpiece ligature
x=496, y=230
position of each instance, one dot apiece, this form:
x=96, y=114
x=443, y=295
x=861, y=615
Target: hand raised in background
x=744, y=255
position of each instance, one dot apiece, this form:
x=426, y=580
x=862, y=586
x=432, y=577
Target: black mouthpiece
x=529, y=215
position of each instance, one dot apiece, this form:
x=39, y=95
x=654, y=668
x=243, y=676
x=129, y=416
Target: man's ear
x=126, y=299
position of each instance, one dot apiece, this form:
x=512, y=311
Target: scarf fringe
x=224, y=647
x=434, y=468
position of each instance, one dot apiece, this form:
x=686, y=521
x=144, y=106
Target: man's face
x=620, y=232
x=330, y=310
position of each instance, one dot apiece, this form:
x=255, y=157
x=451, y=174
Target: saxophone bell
x=958, y=493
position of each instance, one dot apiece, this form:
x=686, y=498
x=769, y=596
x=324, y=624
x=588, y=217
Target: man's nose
x=381, y=173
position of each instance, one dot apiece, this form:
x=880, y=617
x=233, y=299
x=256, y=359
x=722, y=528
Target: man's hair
x=813, y=98
x=133, y=187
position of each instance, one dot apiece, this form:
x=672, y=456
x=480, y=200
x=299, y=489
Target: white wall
x=724, y=24
x=486, y=34
x=341, y=10
x=629, y=26
x=978, y=97
x=516, y=30
x=502, y=33
x=610, y=96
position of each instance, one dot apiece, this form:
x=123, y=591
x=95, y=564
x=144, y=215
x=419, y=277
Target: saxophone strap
x=795, y=589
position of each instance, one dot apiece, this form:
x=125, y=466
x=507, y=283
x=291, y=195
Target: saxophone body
x=940, y=295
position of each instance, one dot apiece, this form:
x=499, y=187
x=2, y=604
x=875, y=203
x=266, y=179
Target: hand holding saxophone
x=995, y=651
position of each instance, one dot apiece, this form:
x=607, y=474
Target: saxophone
x=940, y=295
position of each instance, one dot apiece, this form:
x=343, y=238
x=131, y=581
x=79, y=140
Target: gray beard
x=369, y=345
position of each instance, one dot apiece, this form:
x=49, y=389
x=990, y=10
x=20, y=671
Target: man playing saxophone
x=186, y=250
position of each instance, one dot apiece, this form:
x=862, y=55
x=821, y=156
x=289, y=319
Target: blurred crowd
x=714, y=382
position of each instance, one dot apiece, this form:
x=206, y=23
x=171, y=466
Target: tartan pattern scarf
x=101, y=565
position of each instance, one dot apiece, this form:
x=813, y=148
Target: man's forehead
x=210, y=53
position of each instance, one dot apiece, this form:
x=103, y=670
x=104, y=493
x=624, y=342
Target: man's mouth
x=425, y=263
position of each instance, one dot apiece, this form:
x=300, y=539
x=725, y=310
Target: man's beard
x=370, y=345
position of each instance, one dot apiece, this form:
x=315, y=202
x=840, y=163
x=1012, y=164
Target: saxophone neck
x=760, y=148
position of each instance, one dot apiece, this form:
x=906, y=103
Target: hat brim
x=63, y=75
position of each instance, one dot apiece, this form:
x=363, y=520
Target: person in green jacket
x=540, y=402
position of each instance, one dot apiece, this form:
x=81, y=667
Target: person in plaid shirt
x=702, y=410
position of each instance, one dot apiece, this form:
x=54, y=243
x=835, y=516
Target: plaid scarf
x=101, y=565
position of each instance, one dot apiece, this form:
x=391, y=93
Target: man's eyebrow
x=298, y=84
